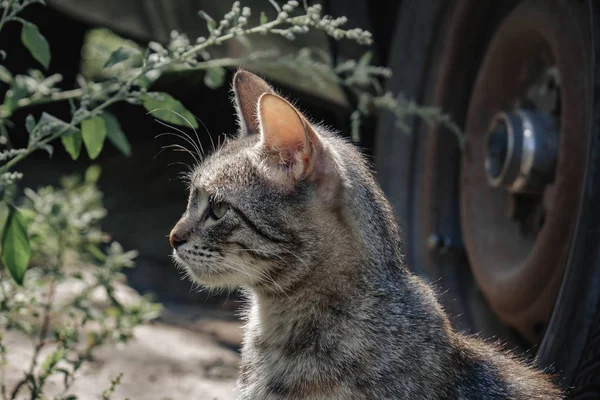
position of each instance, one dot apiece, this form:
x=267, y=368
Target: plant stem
x=3, y=362
x=58, y=96
x=6, y=167
x=218, y=40
x=4, y=17
x=41, y=341
x=3, y=373
x=75, y=93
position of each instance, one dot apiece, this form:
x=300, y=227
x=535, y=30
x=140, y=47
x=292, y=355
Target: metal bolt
x=443, y=244
x=439, y=243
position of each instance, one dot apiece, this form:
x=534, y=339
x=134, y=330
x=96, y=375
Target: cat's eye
x=218, y=209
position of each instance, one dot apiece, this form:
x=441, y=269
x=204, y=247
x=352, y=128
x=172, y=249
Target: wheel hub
x=521, y=151
x=521, y=176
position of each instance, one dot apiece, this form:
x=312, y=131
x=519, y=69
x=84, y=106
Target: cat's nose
x=176, y=240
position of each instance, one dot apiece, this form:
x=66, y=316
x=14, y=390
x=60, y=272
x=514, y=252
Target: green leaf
x=96, y=252
x=56, y=124
x=211, y=24
x=5, y=75
x=361, y=73
x=29, y=214
x=263, y=18
x=4, y=213
x=45, y=147
x=163, y=106
x=93, y=131
x=17, y=91
x=214, y=77
x=115, y=134
x=365, y=59
x=30, y=123
x=36, y=43
x=72, y=144
x=52, y=361
x=92, y=174
x=16, y=249
x=121, y=54
x=71, y=136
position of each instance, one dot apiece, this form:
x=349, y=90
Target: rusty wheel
x=521, y=178
x=509, y=230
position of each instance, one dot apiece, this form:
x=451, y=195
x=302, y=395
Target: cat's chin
x=209, y=279
x=205, y=276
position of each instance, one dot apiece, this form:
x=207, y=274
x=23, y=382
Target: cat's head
x=264, y=207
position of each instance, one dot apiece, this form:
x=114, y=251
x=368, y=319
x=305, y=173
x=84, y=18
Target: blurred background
x=488, y=153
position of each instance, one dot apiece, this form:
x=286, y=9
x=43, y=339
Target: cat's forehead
x=229, y=168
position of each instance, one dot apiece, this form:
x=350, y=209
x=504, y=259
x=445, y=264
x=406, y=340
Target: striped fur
x=333, y=312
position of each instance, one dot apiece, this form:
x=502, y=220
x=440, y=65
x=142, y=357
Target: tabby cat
x=290, y=212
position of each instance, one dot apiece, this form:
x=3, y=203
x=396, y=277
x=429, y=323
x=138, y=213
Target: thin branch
x=76, y=120
x=41, y=339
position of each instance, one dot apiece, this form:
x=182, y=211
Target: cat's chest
x=270, y=371
x=295, y=361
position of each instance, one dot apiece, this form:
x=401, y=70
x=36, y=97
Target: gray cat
x=291, y=213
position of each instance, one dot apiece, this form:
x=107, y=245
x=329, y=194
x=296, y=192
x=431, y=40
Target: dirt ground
x=188, y=353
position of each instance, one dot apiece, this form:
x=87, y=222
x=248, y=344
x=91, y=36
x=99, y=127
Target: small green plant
x=47, y=237
x=130, y=73
x=69, y=304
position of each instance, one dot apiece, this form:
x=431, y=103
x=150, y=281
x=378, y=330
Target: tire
x=421, y=175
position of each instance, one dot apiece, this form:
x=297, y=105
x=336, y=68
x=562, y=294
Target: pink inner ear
x=282, y=128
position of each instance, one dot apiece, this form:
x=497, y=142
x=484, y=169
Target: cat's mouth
x=197, y=270
x=192, y=261
x=212, y=270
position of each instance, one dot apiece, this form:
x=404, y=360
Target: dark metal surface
x=419, y=172
x=572, y=342
x=519, y=269
x=435, y=207
x=412, y=36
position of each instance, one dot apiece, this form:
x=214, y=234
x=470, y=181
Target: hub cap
x=522, y=173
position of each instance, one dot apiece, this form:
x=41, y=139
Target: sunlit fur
x=333, y=312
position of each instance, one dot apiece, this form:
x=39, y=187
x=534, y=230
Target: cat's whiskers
x=287, y=264
x=277, y=255
x=184, y=175
x=297, y=256
x=267, y=252
x=189, y=167
x=266, y=278
x=185, y=274
x=260, y=276
x=202, y=153
x=183, y=137
x=271, y=253
x=230, y=264
x=178, y=147
x=233, y=277
x=241, y=267
x=207, y=132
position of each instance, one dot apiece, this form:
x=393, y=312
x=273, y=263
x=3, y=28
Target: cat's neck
x=365, y=261
x=334, y=286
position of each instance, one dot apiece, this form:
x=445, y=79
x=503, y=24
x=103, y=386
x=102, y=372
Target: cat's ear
x=287, y=137
x=248, y=88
